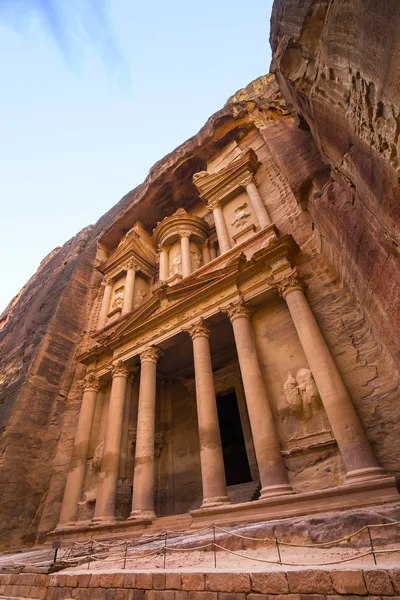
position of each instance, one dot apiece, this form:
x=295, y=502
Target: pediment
x=131, y=247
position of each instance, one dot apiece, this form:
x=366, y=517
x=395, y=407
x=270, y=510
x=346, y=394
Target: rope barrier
x=105, y=551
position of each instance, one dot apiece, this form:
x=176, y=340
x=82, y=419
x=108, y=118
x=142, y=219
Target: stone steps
x=243, y=492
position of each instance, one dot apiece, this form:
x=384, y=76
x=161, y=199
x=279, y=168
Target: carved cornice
x=151, y=354
x=237, y=310
x=91, y=383
x=120, y=369
x=198, y=329
x=291, y=283
x=215, y=187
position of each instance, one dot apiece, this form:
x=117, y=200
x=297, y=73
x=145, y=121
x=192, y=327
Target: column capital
x=151, y=354
x=130, y=264
x=198, y=329
x=185, y=234
x=107, y=281
x=120, y=369
x=214, y=203
x=91, y=382
x=291, y=283
x=162, y=248
x=236, y=310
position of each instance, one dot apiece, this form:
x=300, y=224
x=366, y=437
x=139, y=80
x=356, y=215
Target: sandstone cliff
x=338, y=63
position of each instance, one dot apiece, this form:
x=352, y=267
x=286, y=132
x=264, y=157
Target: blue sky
x=93, y=93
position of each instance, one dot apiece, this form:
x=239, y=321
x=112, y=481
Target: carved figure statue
x=176, y=266
x=138, y=297
x=196, y=260
x=241, y=216
x=118, y=298
x=98, y=457
x=132, y=440
x=301, y=393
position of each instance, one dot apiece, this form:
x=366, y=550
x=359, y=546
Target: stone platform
x=380, y=491
x=279, y=584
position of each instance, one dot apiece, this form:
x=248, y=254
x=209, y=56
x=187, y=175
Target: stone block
x=241, y=582
x=71, y=580
x=159, y=581
x=181, y=595
x=269, y=583
x=310, y=582
x=219, y=582
x=54, y=581
x=394, y=575
x=144, y=581
x=378, y=582
x=123, y=594
x=79, y=593
x=96, y=593
x=348, y=582
x=173, y=581
x=195, y=595
x=353, y=597
x=138, y=594
x=26, y=579
x=129, y=580
x=257, y=597
x=193, y=581
x=84, y=580
x=309, y=596
x=43, y=580
x=231, y=596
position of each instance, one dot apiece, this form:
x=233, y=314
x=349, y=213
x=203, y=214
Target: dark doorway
x=237, y=468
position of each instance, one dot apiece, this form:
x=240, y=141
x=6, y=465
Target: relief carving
x=301, y=394
x=138, y=298
x=196, y=260
x=158, y=442
x=242, y=215
x=118, y=298
x=98, y=457
x=176, y=266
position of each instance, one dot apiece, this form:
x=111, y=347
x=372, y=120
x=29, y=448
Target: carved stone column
x=105, y=303
x=164, y=263
x=127, y=303
x=271, y=467
x=108, y=476
x=220, y=226
x=211, y=457
x=185, y=253
x=144, y=473
x=353, y=443
x=258, y=205
x=206, y=253
x=77, y=470
x=213, y=252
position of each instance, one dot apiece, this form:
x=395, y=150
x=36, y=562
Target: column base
x=142, y=515
x=367, y=474
x=276, y=490
x=215, y=501
x=106, y=520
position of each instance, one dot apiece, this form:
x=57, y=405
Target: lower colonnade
x=356, y=452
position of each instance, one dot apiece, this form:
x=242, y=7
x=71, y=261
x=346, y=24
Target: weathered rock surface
x=338, y=63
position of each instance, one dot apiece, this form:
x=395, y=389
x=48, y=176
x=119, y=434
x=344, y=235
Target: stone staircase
x=244, y=492
x=170, y=523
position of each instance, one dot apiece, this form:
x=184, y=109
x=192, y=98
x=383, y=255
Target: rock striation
x=337, y=63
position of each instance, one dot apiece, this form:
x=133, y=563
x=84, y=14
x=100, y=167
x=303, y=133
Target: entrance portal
x=236, y=463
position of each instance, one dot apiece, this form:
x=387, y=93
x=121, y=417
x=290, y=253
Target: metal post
x=55, y=556
x=279, y=552
x=165, y=548
x=372, y=545
x=215, y=550
x=126, y=550
x=90, y=553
